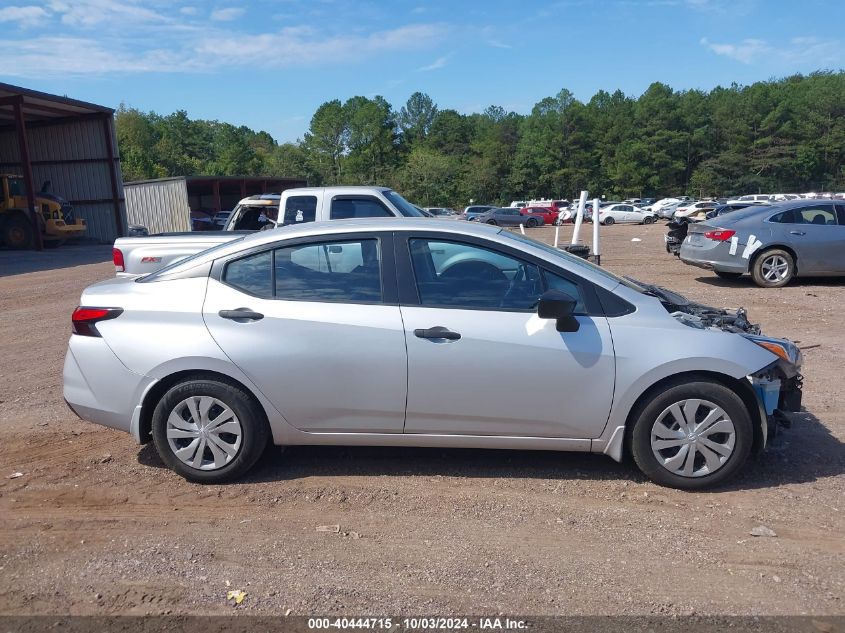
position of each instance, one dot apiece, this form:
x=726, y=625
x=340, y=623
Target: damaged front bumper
x=778, y=387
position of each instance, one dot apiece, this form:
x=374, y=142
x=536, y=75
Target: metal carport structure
x=72, y=143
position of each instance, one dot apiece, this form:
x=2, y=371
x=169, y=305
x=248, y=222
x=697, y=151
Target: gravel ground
x=96, y=524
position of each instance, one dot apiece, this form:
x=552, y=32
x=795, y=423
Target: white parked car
x=625, y=213
x=690, y=209
x=663, y=202
x=756, y=197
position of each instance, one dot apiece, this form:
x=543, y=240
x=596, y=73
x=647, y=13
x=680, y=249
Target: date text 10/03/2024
x=421, y=623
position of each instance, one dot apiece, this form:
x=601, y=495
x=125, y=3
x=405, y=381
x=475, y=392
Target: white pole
x=596, y=239
x=580, y=217
x=522, y=228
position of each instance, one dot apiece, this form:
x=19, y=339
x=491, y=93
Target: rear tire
x=717, y=451
x=726, y=275
x=773, y=268
x=184, y=424
x=608, y=221
x=493, y=222
x=531, y=223
x=17, y=233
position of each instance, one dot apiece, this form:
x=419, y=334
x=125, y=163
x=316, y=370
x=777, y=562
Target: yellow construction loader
x=56, y=220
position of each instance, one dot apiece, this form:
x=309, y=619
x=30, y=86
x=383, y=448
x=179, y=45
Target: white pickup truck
x=142, y=255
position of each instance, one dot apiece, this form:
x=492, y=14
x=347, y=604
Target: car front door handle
x=437, y=332
x=241, y=315
x=797, y=233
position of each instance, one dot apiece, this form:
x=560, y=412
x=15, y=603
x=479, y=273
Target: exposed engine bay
x=701, y=316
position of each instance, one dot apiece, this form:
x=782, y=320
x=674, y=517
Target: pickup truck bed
x=142, y=255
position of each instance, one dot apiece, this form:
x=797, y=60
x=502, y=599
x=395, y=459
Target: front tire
x=648, y=220
x=209, y=431
x=773, y=268
x=691, y=435
x=18, y=233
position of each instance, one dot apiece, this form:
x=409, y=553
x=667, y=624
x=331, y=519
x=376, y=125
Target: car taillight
x=719, y=235
x=117, y=258
x=85, y=319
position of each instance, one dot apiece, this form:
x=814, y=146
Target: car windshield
x=403, y=206
x=187, y=260
x=573, y=260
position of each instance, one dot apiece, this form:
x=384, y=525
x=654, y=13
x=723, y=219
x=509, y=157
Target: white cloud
x=227, y=15
x=25, y=16
x=440, y=62
x=76, y=56
x=88, y=13
x=179, y=48
x=189, y=11
x=746, y=51
x=795, y=52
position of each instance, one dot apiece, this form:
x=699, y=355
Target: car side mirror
x=556, y=304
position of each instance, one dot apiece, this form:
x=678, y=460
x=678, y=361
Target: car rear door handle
x=437, y=332
x=798, y=232
x=241, y=315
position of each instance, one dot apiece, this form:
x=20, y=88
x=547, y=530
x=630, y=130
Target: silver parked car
x=341, y=333
x=774, y=243
x=510, y=216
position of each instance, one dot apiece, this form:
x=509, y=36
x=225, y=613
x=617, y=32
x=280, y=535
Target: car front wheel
x=209, y=431
x=691, y=435
x=773, y=268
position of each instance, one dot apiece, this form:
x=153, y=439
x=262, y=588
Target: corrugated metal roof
x=41, y=106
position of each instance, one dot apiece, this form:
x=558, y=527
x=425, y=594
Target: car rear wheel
x=773, y=268
x=531, y=222
x=692, y=435
x=726, y=275
x=209, y=431
x=493, y=222
x=608, y=221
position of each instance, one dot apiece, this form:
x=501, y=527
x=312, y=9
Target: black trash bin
x=580, y=250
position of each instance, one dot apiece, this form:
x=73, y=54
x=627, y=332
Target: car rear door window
x=300, y=209
x=252, y=274
x=346, y=207
x=329, y=271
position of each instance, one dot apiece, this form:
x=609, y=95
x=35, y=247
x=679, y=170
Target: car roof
x=339, y=189
x=770, y=209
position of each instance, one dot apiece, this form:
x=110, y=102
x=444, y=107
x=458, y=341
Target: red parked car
x=549, y=215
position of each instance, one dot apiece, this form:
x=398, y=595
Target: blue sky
x=269, y=63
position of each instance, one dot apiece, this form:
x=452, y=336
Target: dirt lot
x=96, y=525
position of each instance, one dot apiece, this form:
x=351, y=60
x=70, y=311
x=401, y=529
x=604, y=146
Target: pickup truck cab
x=142, y=255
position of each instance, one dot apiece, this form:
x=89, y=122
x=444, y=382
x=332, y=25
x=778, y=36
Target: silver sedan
x=343, y=333
x=773, y=243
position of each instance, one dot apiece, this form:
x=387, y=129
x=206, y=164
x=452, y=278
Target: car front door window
x=453, y=274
